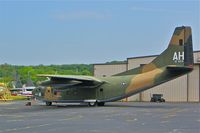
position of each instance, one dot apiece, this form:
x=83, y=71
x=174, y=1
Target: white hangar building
x=183, y=89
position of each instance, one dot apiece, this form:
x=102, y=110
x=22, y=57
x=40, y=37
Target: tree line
x=8, y=72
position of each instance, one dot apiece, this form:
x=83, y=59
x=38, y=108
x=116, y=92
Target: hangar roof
x=125, y=62
x=152, y=55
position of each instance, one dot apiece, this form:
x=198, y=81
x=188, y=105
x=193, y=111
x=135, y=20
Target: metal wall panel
x=108, y=69
x=135, y=62
x=193, y=85
x=134, y=98
x=173, y=91
x=197, y=57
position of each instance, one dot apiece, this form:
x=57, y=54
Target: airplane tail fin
x=180, y=50
x=178, y=55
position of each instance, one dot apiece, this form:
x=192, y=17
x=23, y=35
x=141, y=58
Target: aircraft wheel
x=48, y=103
x=92, y=104
x=101, y=103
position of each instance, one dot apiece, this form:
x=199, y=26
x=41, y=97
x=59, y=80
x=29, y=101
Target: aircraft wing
x=87, y=80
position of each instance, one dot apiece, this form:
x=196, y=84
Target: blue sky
x=86, y=31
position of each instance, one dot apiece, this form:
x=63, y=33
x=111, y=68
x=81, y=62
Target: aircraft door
x=100, y=93
x=48, y=93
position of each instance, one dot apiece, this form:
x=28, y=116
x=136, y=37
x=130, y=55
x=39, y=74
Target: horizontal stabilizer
x=179, y=68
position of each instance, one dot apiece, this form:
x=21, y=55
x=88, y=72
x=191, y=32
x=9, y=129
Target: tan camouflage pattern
x=143, y=80
x=49, y=94
x=148, y=67
x=180, y=33
x=176, y=37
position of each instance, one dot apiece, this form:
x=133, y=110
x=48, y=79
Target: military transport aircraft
x=174, y=62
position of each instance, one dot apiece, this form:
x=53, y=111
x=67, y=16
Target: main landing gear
x=92, y=104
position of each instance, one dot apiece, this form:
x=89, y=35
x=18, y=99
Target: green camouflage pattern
x=174, y=62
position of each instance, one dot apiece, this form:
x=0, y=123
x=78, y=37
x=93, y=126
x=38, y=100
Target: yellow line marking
x=15, y=116
x=71, y=118
x=24, y=128
x=131, y=120
x=14, y=120
x=5, y=103
x=173, y=112
x=164, y=121
x=11, y=108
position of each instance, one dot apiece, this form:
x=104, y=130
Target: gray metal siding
x=109, y=70
x=173, y=91
x=193, y=85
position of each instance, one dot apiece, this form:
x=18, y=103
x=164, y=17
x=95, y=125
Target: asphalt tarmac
x=115, y=117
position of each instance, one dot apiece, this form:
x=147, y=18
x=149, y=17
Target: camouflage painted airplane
x=174, y=62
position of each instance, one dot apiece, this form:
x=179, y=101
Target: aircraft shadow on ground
x=42, y=107
x=110, y=105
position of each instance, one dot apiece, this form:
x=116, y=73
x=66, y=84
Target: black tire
x=163, y=100
x=48, y=103
x=92, y=104
x=153, y=100
x=101, y=103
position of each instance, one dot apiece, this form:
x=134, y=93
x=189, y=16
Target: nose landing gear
x=48, y=103
x=92, y=104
